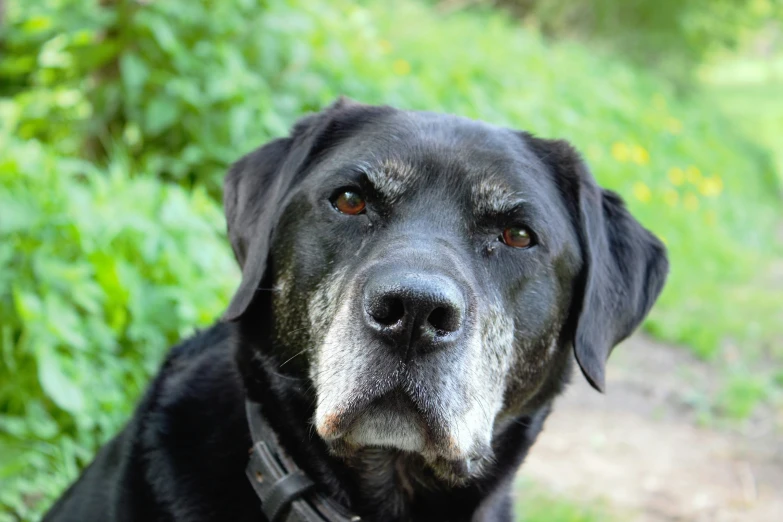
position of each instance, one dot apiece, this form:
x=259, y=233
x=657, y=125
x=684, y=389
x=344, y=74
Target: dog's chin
x=393, y=424
x=388, y=428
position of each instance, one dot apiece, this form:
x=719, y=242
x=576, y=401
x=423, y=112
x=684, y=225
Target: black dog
x=413, y=288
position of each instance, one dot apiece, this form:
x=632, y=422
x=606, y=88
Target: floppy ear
x=626, y=269
x=251, y=193
x=255, y=191
x=624, y=265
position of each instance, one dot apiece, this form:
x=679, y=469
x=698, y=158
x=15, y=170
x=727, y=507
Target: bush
x=97, y=276
x=184, y=86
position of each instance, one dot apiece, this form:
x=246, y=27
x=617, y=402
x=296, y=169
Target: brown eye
x=517, y=237
x=349, y=202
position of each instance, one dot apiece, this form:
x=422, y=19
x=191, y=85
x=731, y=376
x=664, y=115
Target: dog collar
x=287, y=494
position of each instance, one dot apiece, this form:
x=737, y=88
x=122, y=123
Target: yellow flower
x=673, y=125
x=711, y=186
x=690, y=202
x=676, y=176
x=642, y=192
x=640, y=155
x=620, y=151
x=386, y=46
x=671, y=197
x=710, y=218
x=693, y=174
x=401, y=67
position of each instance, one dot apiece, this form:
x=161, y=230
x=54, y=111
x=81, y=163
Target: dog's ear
x=257, y=186
x=624, y=265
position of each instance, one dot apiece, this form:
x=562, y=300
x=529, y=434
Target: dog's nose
x=410, y=307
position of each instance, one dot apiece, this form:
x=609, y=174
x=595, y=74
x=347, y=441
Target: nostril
x=388, y=311
x=444, y=320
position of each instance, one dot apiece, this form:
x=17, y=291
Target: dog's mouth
x=391, y=419
x=395, y=421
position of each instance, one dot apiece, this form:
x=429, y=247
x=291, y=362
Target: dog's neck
x=376, y=483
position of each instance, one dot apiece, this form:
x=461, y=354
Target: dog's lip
x=335, y=425
x=440, y=450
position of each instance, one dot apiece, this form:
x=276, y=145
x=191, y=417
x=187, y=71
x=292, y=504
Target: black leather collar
x=287, y=494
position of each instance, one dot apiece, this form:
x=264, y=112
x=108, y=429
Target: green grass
x=741, y=394
x=748, y=90
x=534, y=504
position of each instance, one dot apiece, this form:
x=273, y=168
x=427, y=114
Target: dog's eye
x=348, y=202
x=517, y=237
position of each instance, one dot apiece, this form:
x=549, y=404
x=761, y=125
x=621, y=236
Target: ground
x=640, y=451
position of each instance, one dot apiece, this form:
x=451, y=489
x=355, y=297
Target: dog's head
x=430, y=274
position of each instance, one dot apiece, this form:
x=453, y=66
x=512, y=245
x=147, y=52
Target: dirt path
x=639, y=449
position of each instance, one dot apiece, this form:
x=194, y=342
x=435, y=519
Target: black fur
x=182, y=456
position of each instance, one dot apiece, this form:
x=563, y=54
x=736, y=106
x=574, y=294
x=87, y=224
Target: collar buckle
x=287, y=494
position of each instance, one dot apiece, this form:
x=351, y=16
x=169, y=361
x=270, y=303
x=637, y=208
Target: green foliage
x=184, y=95
x=119, y=118
x=537, y=505
x=98, y=276
x=748, y=90
x=740, y=395
x=671, y=35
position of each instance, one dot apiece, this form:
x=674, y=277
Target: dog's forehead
x=405, y=150
x=431, y=139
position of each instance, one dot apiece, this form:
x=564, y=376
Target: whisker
x=289, y=377
x=292, y=358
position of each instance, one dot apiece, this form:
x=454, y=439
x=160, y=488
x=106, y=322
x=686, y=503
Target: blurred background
x=118, y=119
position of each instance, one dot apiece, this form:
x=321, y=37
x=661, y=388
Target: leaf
x=16, y=216
x=40, y=422
x=28, y=305
x=56, y=384
x=240, y=121
x=163, y=34
x=134, y=73
x=160, y=114
x=63, y=321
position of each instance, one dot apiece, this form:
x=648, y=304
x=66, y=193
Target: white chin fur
x=388, y=429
